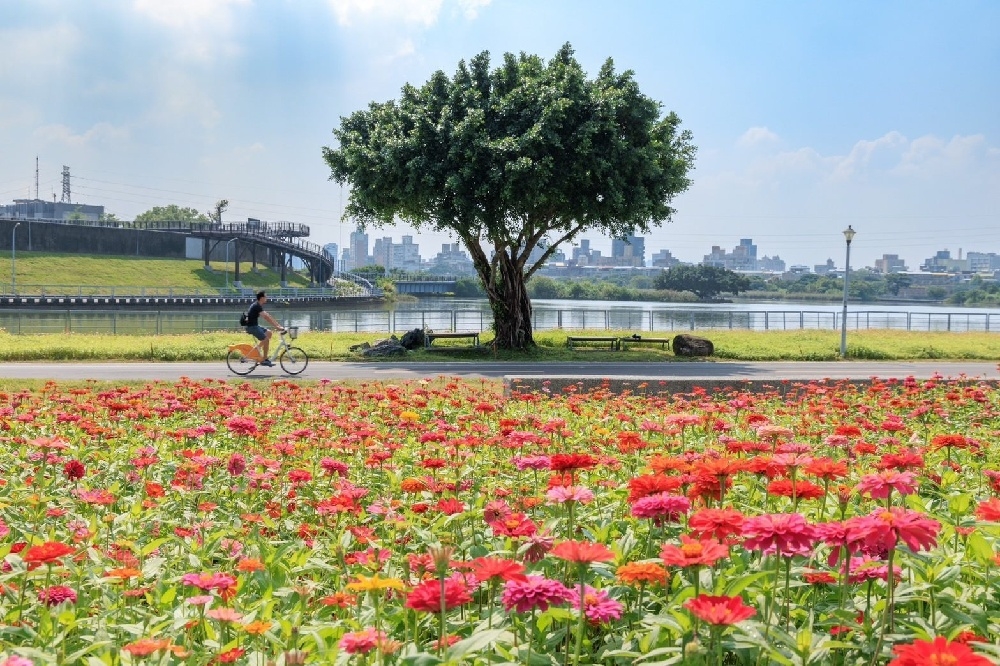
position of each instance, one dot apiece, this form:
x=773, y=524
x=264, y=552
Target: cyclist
x=254, y=328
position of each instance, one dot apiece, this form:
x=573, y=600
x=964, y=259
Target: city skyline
x=808, y=117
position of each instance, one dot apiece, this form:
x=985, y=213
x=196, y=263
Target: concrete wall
x=42, y=237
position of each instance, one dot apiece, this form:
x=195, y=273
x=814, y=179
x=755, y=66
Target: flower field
x=446, y=523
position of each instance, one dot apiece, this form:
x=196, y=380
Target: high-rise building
x=890, y=263
x=628, y=251
x=359, y=249
x=664, y=259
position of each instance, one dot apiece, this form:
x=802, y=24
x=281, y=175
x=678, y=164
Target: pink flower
x=534, y=592
x=786, y=534
x=362, y=642
x=331, y=467
x=881, y=484
x=532, y=462
x=209, y=581
x=563, y=494
x=236, y=465
x=57, y=594
x=224, y=614
x=597, y=605
x=886, y=528
x=661, y=507
x=16, y=660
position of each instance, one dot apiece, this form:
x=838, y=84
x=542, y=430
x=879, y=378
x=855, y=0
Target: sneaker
x=267, y=364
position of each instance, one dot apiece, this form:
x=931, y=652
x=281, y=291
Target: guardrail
x=356, y=319
x=101, y=291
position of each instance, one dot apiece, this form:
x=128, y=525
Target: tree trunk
x=511, y=306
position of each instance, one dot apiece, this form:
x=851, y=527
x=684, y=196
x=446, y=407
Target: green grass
x=729, y=345
x=89, y=270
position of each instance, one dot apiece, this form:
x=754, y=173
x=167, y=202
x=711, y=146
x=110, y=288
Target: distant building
x=452, y=259
x=628, y=251
x=942, y=262
x=983, y=262
x=359, y=250
x=890, y=263
x=334, y=251
x=825, y=269
x=663, y=259
x=39, y=209
x=743, y=258
x=773, y=264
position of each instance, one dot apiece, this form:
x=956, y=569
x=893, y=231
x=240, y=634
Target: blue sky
x=809, y=116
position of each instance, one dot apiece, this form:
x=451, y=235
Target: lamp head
x=849, y=233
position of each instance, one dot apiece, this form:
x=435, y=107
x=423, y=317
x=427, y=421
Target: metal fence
x=156, y=322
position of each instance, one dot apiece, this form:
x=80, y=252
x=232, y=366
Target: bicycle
x=244, y=358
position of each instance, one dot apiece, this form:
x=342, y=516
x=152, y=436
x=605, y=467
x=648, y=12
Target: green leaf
x=979, y=548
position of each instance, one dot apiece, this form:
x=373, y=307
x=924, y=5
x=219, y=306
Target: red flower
x=651, y=484
x=47, y=553
x=937, y=653
x=583, y=552
x=717, y=523
x=514, y=525
x=564, y=462
x=74, y=470
x=719, y=610
x=693, y=553
x=486, y=568
x=989, y=510
x=427, y=596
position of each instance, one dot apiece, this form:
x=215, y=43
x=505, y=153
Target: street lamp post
x=13, y=259
x=849, y=236
x=227, y=261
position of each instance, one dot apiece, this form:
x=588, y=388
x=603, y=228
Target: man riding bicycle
x=254, y=328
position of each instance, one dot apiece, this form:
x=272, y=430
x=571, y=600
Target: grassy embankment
x=729, y=345
x=74, y=271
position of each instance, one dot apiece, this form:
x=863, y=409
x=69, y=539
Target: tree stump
x=692, y=345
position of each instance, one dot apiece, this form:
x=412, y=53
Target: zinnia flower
x=885, y=528
x=361, y=642
x=719, y=610
x=989, y=510
x=786, y=534
x=692, y=552
x=534, y=592
x=209, y=581
x=57, y=594
x=16, y=660
x=563, y=494
x=598, y=607
x=427, y=596
x=583, y=552
x=880, y=485
x=486, y=568
x=939, y=652
x=716, y=523
x=47, y=553
x=641, y=572
x=661, y=507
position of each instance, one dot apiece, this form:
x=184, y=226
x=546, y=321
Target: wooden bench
x=574, y=339
x=429, y=338
x=625, y=342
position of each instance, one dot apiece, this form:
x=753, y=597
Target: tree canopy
x=511, y=157
x=171, y=213
x=705, y=282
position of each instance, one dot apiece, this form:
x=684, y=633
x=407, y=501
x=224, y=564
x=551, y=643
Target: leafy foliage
x=509, y=158
x=171, y=213
x=705, y=282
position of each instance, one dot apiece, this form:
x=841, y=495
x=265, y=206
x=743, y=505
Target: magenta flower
x=881, y=484
x=661, y=507
x=534, y=592
x=597, y=605
x=786, y=534
x=563, y=494
x=57, y=594
x=532, y=462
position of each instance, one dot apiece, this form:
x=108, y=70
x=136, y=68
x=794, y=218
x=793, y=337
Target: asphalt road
x=474, y=369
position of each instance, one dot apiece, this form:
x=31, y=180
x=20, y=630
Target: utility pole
x=65, y=183
x=36, y=176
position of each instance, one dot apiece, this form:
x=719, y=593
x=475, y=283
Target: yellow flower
x=366, y=584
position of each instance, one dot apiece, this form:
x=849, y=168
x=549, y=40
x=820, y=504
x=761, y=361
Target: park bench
x=572, y=340
x=429, y=338
x=640, y=340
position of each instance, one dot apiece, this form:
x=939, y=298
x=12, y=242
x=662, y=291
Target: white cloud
x=423, y=12
x=470, y=8
x=201, y=28
x=756, y=136
x=99, y=133
x=37, y=56
x=885, y=150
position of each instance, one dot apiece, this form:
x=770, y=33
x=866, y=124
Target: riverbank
x=807, y=345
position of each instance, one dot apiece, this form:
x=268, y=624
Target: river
x=463, y=314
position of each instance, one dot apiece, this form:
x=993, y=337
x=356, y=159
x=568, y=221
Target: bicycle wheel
x=293, y=360
x=239, y=363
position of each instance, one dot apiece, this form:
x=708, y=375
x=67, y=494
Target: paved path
x=473, y=369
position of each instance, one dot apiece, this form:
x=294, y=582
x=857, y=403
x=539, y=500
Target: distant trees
x=215, y=215
x=171, y=213
x=705, y=282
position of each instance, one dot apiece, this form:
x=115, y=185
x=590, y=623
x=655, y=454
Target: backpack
x=243, y=319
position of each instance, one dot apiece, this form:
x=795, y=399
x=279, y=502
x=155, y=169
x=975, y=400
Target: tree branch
x=552, y=248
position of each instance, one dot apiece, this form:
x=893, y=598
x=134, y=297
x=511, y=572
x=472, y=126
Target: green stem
x=581, y=622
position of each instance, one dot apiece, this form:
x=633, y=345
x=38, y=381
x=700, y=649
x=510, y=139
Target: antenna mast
x=36, y=176
x=65, y=182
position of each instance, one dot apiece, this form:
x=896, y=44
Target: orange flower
x=583, y=552
x=257, y=627
x=989, y=510
x=123, y=573
x=641, y=573
x=249, y=565
x=47, y=553
x=147, y=646
x=719, y=610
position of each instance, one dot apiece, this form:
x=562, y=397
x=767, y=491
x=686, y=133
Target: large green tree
x=528, y=153
x=171, y=213
x=705, y=282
